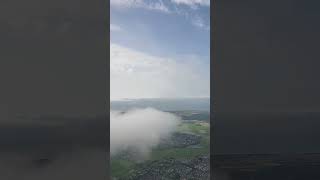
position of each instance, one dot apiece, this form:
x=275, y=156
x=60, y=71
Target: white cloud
x=157, y=5
x=114, y=27
x=200, y=23
x=172, y=8
x=140, y=129
x=160, y=6
x=126, y=3
x=138, y=75
x=192, y=3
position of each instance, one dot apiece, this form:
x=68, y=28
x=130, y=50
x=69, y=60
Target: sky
x=159, y=49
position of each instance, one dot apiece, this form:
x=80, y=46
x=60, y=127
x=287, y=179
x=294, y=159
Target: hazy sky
x=159, y=48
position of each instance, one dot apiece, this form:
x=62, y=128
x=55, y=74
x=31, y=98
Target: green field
x=122, y=168
x=199, y=128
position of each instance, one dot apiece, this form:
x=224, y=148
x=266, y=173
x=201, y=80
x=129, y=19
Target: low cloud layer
x=139, y=129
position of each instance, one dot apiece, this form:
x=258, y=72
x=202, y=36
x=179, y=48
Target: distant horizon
x=163, y=104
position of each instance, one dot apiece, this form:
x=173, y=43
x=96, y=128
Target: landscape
x=159, y=90
x=184, y=154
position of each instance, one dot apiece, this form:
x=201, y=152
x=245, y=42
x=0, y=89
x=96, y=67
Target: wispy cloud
x=171, y=7
x=195, y=19
x=139, y=75
x=200, y=23
x=156, y=5
x=160, y=6
x=126, y=3
x=192, y=3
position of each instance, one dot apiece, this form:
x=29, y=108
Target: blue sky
x=164, y=43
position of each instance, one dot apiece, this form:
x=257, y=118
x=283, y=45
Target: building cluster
x=168, y=169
